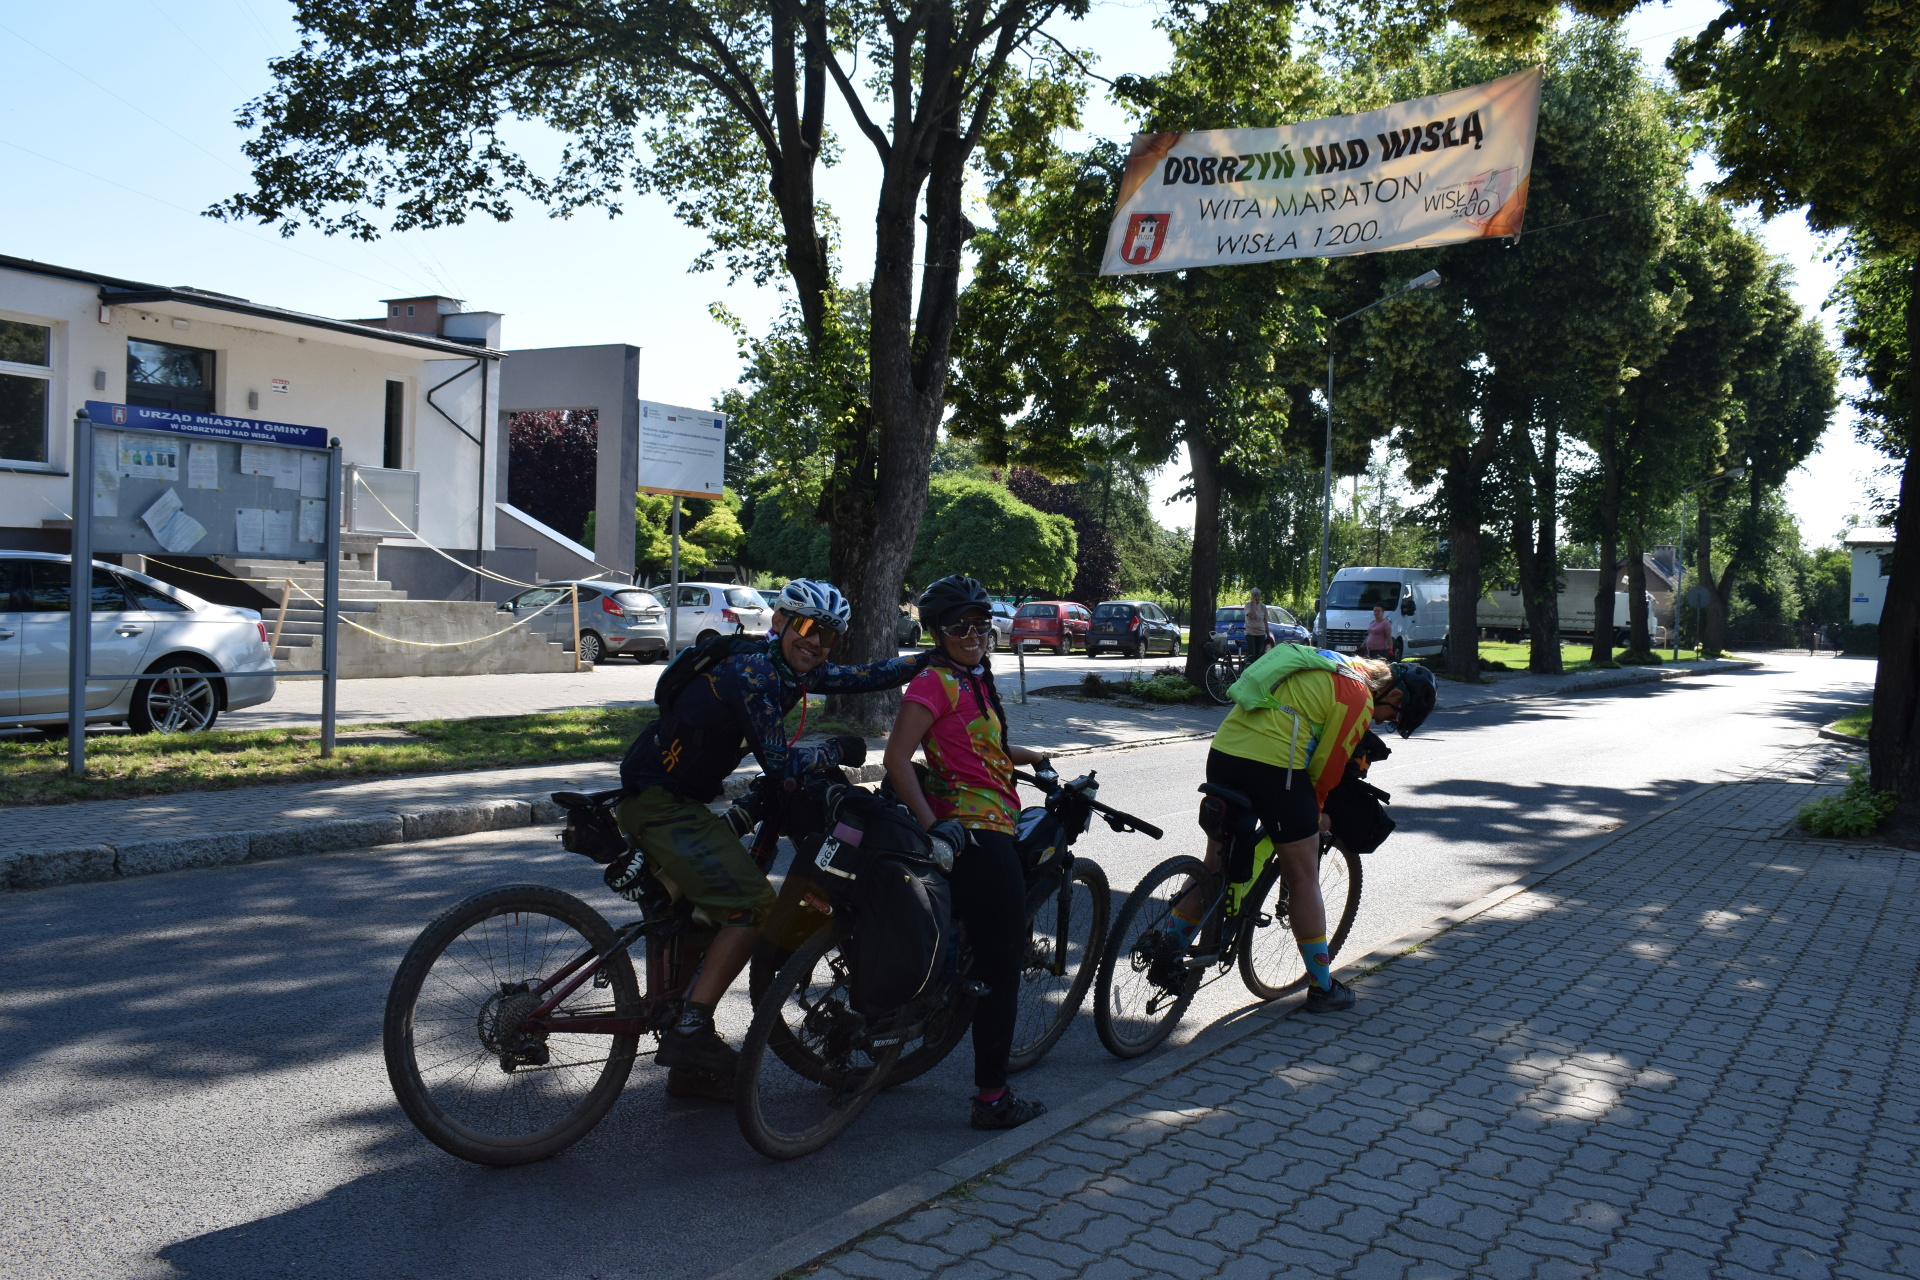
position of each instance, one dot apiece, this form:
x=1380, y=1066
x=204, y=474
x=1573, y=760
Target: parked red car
x=1060, y=625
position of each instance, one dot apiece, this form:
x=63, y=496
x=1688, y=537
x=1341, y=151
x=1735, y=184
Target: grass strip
x=1855, y=723
x=122, y=766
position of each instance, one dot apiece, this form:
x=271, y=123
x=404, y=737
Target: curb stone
x=1834, y=735
x=45, y=868
x=847, y=1228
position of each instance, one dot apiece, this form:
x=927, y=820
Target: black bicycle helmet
x=951, y=596
x=1418, y=693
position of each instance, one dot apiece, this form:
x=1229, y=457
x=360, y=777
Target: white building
x=412, y=396
x=1871, y=550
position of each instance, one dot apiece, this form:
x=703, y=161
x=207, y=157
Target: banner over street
x=1433, y=171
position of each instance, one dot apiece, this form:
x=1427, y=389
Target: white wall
x=336, y=381
x=1869, y=594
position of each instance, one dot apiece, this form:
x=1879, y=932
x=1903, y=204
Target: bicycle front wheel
x=1145, y=983
x=805, y=1017
x=1060, y=962
x=1220, y=677
x=464, y=1070
x=1270, y=962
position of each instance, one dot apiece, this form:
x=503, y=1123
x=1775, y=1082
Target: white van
x=1501, y=614
x=1415, y=600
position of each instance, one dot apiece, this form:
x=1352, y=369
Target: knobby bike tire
x=450, y=1081
x=1131, y=1013
x=833, y=1105
x=1049, y=1002
x=1270, y=963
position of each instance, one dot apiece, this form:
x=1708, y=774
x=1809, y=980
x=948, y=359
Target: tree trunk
x=1893, y=748
x=1462, y=483
x=1712, y=619
x=1602, y=654
x=1204, y=580
x=1535, y=528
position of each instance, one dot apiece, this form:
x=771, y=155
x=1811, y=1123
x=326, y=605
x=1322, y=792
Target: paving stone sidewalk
x=1693, y=1053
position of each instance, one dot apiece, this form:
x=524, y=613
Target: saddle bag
x=591, y=830
x=903, y=946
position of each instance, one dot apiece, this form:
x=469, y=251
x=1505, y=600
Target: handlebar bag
x=1357, y=812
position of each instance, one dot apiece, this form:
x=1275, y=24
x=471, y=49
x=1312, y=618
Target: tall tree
x=1815, y=104
x=404, y=106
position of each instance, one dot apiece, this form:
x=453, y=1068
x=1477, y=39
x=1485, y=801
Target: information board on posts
x=682, y=451
x=197, y=484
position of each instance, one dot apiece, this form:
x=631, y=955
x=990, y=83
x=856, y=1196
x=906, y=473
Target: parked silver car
x=615, y=618
x=709, y=609
x=152, y=645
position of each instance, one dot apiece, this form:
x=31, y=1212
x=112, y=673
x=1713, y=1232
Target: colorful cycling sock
x=1181, y=927
x=1314, y=952
x=991, y=1096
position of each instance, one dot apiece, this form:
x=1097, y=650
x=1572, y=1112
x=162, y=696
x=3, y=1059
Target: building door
x=163, y=376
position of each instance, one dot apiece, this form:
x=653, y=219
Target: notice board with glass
x=165, y=482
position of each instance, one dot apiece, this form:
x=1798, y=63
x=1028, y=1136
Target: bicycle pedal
x=975, y=987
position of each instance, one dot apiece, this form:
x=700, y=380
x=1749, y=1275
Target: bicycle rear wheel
x=463, y=1069
x=1270, y=962
x=1220, y=677
x=1060, y=966
x=1144, y=985
x=805, y=1018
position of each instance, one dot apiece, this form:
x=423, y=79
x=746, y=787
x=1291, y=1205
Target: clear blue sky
x=116, y=129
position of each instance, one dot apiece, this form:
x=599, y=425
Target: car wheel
x=649, y=656
x=705, y=636
x=592, y=651
x=176, y=698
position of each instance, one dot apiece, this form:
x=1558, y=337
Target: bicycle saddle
x=1228, y=794
x=583, y=800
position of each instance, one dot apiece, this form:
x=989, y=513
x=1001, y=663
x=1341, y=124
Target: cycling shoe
x=1334, y=999
x=696, y=1082
x=1006, y=1112
x=699, y=1047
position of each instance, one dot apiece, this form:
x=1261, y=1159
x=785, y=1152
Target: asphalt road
x=196, y=1087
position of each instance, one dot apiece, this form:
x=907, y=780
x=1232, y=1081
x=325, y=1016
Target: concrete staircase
x=435, y=627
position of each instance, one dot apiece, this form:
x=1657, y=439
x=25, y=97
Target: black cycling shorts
x=1293, y=813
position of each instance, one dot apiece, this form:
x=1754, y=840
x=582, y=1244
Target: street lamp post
x=1679, y=558
x=1426, y=280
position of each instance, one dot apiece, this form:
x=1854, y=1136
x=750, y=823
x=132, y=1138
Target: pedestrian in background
x=1258, y=637
x=1380, y=635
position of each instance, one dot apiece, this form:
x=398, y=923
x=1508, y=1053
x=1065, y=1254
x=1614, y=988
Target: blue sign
x=140, y=418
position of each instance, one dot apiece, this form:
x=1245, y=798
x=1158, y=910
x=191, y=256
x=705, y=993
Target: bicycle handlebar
x=1117, y=819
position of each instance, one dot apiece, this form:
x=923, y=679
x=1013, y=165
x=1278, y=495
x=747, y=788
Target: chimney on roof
x=419, y=315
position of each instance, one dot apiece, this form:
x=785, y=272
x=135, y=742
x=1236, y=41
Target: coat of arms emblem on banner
x=1146, y=233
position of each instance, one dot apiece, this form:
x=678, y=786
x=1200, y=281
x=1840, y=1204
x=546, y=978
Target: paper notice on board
x=249, y=531
x=106, y=474
x=279, y=532
x=203, y=466
x=286, y=469
x=257, y=459
x=149, y=457
x=313, y=520
x=173, y=529
x=313, y=475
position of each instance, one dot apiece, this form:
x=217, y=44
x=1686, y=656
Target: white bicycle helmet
x=821, y=601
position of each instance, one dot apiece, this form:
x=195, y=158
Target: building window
x=163, y=376
x=26, y=379
x=395, y=456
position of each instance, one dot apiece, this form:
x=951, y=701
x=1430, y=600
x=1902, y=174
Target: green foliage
x=1861, y=638
x=785, y=542
x=1857, y=811
x=1873, y=297
x=1826, y=585
x=1168, y=684
x=976, y=527
x=1858, y=723
x=710, y=532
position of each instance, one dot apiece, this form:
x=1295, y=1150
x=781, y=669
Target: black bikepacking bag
x=693, y=663
x=1357, y=813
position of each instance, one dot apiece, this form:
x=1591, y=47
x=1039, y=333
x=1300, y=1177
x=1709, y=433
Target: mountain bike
x=1148, y=977
x=810, y=1063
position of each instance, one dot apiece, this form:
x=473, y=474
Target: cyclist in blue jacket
x=677, y=766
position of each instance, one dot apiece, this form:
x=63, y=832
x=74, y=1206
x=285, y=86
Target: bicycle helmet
x=1418, y=693
x=821, y=601
x=950, y=597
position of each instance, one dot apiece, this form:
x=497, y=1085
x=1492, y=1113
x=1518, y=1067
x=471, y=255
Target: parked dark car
x=1133, y=629
x=1059, y=625
x=1230, y=628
